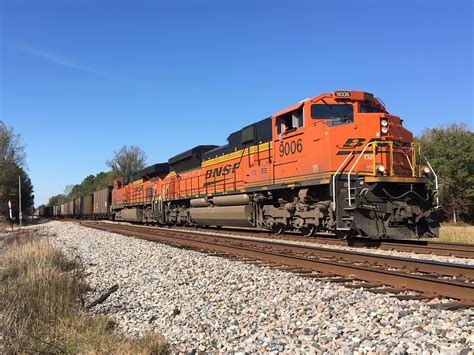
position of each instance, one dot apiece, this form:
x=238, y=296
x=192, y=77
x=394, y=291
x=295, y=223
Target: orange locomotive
x=338, y=162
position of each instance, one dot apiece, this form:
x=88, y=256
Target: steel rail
x=413, y=265
x=421, y=283
x=412, y=246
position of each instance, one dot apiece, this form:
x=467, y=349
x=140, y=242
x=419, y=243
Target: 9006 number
x=292, y=147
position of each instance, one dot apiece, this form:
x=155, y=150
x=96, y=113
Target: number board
x=290, y=148
x=343, y=94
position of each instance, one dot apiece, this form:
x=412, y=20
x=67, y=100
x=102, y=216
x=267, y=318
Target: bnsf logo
x=355, y=142
x=223, y=170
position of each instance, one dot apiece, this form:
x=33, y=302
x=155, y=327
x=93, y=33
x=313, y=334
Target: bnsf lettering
x=223, y=170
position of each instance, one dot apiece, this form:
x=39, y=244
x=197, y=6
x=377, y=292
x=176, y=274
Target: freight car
x=69, y=209
x=336, y=162
x=43, y=211
x=78, y=203
x=102, y=201
x=56, y=211
x=88, y=206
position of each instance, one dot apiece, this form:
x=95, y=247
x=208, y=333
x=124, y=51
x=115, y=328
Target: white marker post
x=10, y=209
x=11, y=214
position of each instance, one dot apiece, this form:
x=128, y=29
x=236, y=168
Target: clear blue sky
x=80, y=79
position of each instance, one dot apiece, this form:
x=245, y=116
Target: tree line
x=124, y=162
x=450, y=150
x=12, y=166
x=86, y=187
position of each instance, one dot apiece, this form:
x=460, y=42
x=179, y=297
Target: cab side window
x=290, y=121
x=338, y=114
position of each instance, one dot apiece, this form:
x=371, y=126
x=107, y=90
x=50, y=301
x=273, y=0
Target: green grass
x=41, y=305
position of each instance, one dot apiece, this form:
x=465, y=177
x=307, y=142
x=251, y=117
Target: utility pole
x=20, y=215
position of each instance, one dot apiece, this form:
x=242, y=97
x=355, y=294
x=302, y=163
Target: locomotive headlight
x=384, y=130
x=380, y=169
x=384, y=123
x=426, y=170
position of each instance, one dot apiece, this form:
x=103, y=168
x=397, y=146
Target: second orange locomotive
x=338, y=162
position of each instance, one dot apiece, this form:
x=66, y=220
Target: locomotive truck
x=336, y=162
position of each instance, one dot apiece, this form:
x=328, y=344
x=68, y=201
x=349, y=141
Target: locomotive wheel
x=346, y=235
x=278, y=228
x=308, y=231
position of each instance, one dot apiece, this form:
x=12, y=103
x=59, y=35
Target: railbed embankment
x=41, y=308
x=208, y=303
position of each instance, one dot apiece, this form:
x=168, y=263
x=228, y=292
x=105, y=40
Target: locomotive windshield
x=370, y=109
x=341, y=112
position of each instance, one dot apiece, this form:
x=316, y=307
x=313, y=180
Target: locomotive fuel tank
x=229, y=216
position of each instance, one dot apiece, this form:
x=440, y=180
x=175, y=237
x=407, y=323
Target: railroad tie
x=409, y=297
x=451, y=306
x=386, y=290
x=316, y=276
x=302, y=271
x=364, y=285
x=338, y=280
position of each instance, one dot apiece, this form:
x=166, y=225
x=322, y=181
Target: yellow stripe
x=395, y=179
x=237, y=154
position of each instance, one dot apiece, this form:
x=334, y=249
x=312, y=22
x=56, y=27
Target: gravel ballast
x=206, y=303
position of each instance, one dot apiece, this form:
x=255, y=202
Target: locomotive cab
x=376, y=174
x=380, y=176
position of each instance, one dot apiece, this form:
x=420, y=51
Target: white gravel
x=212, y=304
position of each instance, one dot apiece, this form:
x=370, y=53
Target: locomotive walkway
x=356, y=269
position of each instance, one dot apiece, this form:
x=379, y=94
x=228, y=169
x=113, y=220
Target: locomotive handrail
x=350, y=172
x=436, y=180
x=334, y=181
x=414, y=147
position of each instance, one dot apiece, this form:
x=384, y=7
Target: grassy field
x=457, y=233
x=41, y=305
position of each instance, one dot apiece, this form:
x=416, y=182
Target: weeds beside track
x=41, y=305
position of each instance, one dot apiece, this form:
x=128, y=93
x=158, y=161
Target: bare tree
x=68, y=190
x=12, y=166
x=11, y=149
x=127, y=161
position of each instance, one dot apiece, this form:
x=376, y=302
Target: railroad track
x=377, y=273
x=458, y=250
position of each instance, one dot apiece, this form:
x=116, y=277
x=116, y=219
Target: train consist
x=93, y=206
x=336, y=162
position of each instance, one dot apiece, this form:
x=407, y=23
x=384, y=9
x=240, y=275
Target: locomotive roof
x=193, y=152
x=260, y=131
x=151, y=171
x=190, y=159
